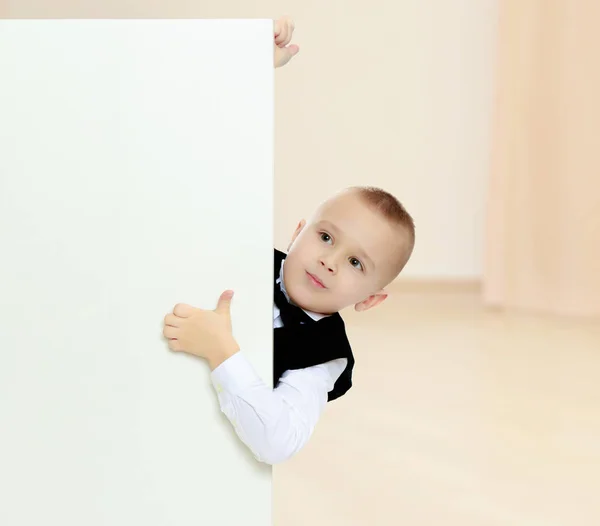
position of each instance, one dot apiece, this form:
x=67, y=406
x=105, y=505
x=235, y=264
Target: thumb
x=287, y=53
x=224, y=304
x=284, y=54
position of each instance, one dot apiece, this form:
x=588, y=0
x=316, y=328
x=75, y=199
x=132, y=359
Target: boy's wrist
x=224, y=351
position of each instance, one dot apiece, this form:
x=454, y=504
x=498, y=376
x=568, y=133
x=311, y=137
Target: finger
x=281, y=36
x=172, y=321
x=224, y=303
x=279, y=25
x=283, y=29
x=174, y=345
x=289, y=32
x=183, y=310
x=170, y=332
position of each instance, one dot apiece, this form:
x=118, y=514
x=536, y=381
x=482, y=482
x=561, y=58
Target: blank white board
x=136, y=162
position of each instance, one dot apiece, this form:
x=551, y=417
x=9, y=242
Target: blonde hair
x=393, y=210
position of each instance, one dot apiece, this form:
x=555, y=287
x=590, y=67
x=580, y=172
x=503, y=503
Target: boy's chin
x=324, y=310
x=317, y=307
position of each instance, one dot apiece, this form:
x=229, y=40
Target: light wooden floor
x=458, y=416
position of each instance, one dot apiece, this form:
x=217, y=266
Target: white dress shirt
x=274, y=423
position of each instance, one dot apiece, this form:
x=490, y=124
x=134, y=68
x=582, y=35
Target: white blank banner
x=136, y=161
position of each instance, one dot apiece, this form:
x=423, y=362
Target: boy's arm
x=274, y=423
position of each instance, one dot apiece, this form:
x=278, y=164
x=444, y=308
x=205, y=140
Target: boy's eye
x=354, y=262
x=325, y=237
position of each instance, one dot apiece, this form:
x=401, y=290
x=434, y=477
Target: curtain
x=542, y=249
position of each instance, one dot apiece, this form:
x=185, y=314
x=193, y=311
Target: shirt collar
x=314, y=315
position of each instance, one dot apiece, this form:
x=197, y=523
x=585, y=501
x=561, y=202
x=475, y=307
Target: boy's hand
x=203, y=333
x=283, y=30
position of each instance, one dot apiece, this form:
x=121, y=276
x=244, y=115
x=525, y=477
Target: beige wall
x=390, y=93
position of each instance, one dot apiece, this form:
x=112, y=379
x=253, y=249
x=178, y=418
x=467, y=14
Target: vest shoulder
x=334, y=319
x=333, y=326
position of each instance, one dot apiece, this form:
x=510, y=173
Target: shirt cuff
x=234, y=375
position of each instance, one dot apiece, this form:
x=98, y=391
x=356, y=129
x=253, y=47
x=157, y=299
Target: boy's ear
x=299, y=228
x=372, y=301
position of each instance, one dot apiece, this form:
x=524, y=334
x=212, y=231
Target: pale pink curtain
x=543, y=229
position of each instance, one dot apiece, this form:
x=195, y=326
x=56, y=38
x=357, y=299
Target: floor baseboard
x=436, y=285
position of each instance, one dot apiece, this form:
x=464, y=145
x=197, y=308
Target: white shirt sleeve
x=274, y=423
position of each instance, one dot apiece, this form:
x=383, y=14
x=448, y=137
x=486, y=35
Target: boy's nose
x=328, y=264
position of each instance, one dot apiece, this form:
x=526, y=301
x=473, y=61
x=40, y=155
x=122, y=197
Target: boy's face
x=344, y=255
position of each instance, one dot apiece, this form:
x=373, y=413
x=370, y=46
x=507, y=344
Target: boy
x=355, y=244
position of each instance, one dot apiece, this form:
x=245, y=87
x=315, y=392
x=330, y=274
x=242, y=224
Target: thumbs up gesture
x=283, y=30
x=203, y=333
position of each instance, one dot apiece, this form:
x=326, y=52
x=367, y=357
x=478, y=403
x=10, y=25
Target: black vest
x=303, y=342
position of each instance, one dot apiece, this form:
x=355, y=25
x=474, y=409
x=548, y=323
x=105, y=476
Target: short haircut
x=393, y=210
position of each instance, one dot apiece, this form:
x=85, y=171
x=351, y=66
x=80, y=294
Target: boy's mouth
x=315, y=281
